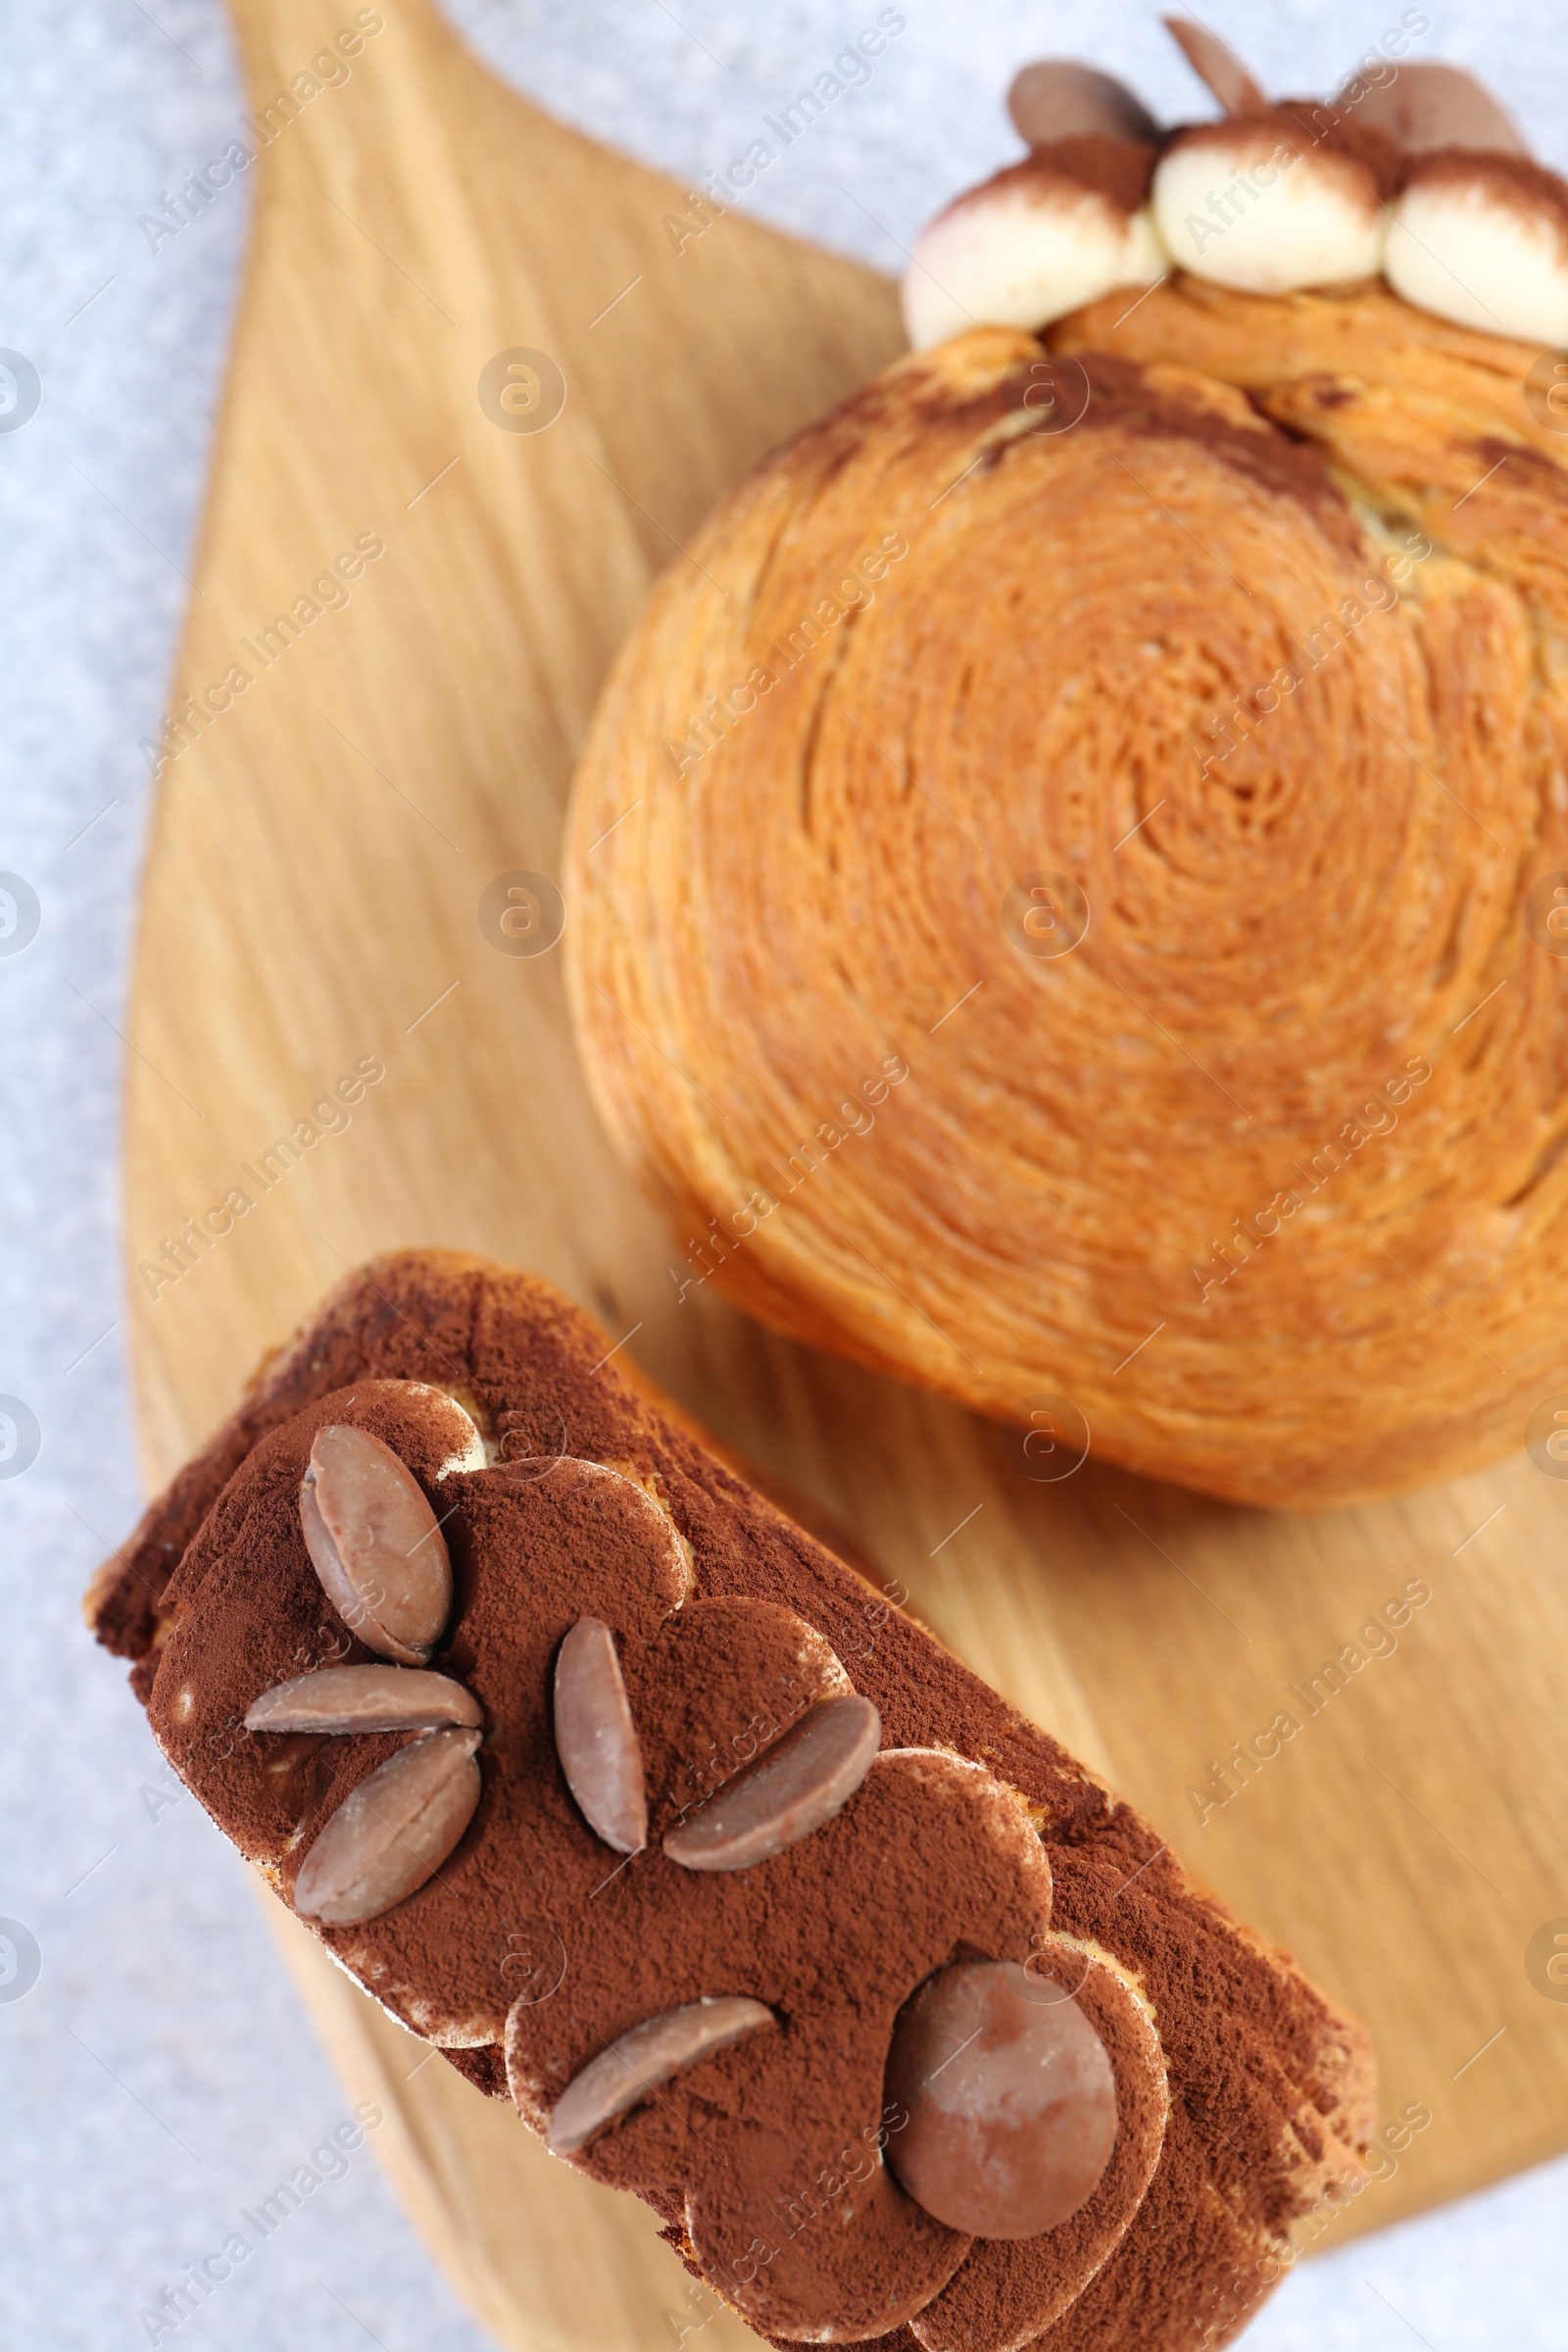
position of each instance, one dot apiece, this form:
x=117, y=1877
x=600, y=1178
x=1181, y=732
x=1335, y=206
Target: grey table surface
x=158, y=2074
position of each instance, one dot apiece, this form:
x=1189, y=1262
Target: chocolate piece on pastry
x=755, y=2043
x=1056, y=99
x=1216, y=65
x=1427, y=105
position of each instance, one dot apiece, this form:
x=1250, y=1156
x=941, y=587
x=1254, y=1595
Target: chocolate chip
x=596, y=1737
x=795, y=1786
x=392, y=1833
x=375, y=1543
x=1056, y=99
x=1010, y=2097
x=1428, y=104
x=632, y=2068
x=363, y=1698
x=1220, y=68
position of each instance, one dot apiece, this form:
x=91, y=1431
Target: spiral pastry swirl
x=1083, y=931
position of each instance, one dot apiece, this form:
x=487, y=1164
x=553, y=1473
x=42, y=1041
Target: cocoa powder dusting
x=1309, y=127
x=1119, y=170
x=934, y=1858
x=1527, y=189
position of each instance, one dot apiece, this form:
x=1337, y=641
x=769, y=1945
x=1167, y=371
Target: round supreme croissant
x=1071, y=879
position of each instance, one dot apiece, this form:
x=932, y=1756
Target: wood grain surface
x=320, y=852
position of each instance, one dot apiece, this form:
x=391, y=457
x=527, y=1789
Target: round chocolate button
x=1010, y=2098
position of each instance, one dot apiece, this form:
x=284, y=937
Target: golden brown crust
x=1243, y=616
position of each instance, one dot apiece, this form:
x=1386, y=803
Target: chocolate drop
x=596, y=1739
x=1010, y=2096
x=791, y=1789
x=375, y=1544
x=1217, y=66
x=1428, y=104
x=363, y=1698
x=1059, y=99
x=392, y=1833
x=633, y=2067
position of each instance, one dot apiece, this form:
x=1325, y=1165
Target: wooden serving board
x=319, y=855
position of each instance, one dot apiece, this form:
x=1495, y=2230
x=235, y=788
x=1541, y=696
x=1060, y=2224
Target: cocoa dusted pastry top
x=1066, y=880
x=604, y=1777
x=1412, y=172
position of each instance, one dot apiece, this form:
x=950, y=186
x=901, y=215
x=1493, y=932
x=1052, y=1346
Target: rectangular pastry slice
x=606, y=1777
